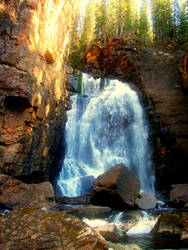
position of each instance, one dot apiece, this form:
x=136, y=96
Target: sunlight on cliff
x=47, y=34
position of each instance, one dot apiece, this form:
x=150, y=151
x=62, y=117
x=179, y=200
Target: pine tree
x=162, y=20
x=88, y=33
x=112, y=27
x=74, y=57
x=143, y=27
x=183, y=26
x=101, y=20
x=128, y=29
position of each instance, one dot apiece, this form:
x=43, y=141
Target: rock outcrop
x=156, y=74
x=33, y=98
x=183, y=68
x=35, y=228
x=174, y=223
x=117, y=187
x=15, y=194
x=179, y=195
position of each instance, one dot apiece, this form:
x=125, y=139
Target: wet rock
x=79, y=200
x=112, y=233
x=146, y=201
x=117, y=187
x=34, y=228
x=91, y=211
x=179, y=195
x=174, y=223
x=14, y=193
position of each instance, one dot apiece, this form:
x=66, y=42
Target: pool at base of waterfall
x=152, y=241
x=138, y=225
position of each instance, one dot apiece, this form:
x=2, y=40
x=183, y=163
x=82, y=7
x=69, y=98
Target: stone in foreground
x=146, y=201
x=32, y=228
x=118, y=187
x=112, y=233
x=173, y=222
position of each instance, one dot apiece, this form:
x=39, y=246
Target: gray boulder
x=146, y=201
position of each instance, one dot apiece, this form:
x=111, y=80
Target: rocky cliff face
x=156, y=74
x=34, y=35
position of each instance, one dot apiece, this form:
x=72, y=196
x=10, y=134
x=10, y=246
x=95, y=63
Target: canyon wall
x=157, y=74
x=34, y=37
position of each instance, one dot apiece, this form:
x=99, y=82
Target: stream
x=107, y=126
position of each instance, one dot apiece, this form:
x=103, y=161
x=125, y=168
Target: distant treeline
x=145, y=22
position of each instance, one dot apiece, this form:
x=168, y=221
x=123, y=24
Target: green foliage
x=144, y=26
x=183, y=26
x=160, y=21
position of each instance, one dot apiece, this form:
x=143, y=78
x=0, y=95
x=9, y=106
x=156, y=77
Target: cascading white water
x=105, y=127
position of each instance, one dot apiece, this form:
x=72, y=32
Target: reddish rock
x=14, y=193
x=179, y=194
x=33, y=95
x=146, y=201
x=118, y=186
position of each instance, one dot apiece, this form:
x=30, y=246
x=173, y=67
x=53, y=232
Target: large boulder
x=146, y=201
x=179, y=195
x=35, y=228
x=14, y=193
x=117, y=187
x=112, y=233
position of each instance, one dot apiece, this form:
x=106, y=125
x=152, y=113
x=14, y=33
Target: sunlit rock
x=34, y=36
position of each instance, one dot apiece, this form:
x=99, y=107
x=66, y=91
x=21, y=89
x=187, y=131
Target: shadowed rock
x=14, y=193
x=179, y=195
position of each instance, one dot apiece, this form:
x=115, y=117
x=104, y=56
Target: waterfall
x=105, y=127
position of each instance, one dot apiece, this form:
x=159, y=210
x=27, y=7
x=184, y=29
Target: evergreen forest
x=145, y=22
